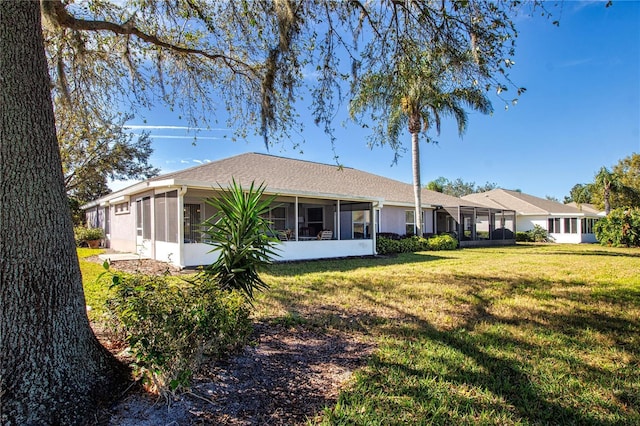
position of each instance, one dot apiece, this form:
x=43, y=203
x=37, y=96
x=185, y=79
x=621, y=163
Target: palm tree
x=607, y=181
x=418, y=91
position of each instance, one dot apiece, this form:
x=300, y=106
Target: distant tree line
x=618, y=187
x=458, y=187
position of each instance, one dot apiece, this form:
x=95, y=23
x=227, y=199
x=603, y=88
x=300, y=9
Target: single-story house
x=565, y=223
x=160, y=218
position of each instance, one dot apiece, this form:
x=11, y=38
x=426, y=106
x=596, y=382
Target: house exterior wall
x=392, y=219
x=200, y=254
x=167, y=252
x=526, y=223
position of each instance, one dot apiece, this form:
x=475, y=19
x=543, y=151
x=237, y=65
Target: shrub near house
x=621, y=228
x=386, y=245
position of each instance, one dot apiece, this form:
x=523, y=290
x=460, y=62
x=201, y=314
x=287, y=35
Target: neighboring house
x=160, y=218
x=588, y=208
x=565, y=223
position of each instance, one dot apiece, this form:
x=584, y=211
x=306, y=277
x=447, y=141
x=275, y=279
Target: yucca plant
x=242, y=236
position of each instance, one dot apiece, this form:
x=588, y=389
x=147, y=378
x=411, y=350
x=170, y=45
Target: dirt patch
x=286, y=376
x=142, y=266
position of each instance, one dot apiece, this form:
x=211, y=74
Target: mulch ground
x=286, y=376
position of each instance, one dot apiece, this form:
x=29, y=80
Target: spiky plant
x=241, y=235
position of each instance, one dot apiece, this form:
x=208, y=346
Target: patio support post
x=474, y=236
x=297, y=226
x=338, y=228
x=460, y=225
x=372, y=227
x=181, y=193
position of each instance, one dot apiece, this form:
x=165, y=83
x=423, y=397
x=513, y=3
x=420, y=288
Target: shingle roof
x=286, y=175
x=523, y=204
x=586, y=208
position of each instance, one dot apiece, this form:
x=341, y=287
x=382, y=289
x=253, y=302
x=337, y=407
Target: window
x=410, y=222
x=192, y=222
x=554, y=226
x=570, y=225
x=587, y=225
x=122, y=208
x=361, y=220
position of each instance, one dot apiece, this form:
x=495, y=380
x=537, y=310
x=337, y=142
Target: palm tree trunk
x=417, y=187
x=607, y=194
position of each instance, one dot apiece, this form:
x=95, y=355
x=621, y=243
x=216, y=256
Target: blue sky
x=581, y=111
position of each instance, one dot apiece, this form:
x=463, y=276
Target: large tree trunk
x=52, y=368
x=417, y=186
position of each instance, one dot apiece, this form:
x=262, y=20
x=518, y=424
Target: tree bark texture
x=52, y=368
x=417, y=185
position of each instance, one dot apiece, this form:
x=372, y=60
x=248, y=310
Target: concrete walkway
x=121, y=256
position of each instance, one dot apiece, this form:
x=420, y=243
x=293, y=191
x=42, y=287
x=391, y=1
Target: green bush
x=442, y=242
x=171, y=324
x=413, y=244
x=537, y=235
x=83, y=234
x=386, y=245
x=621, y=228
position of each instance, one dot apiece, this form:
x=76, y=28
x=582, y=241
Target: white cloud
x=191, y=137
x=159, y=127
x=574, y=63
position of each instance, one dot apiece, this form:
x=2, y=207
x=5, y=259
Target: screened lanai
x=477, y=226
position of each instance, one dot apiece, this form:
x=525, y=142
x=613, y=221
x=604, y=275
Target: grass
x=523, y=335
x=95, y=293
x=531, y=334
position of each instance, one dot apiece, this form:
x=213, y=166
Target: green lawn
x=95, y=293
x=531, y=334
x=517, y=335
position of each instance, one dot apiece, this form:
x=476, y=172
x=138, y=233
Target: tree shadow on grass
x=630, y=253
x=511, y=386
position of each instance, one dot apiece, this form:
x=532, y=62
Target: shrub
x=538, y=234
x=83, y=234
x=243, y=237
x=413, y=244
x=442, y=242
x=386, y=245
x=171, y=324
x=523, y=237
x=620, y=228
